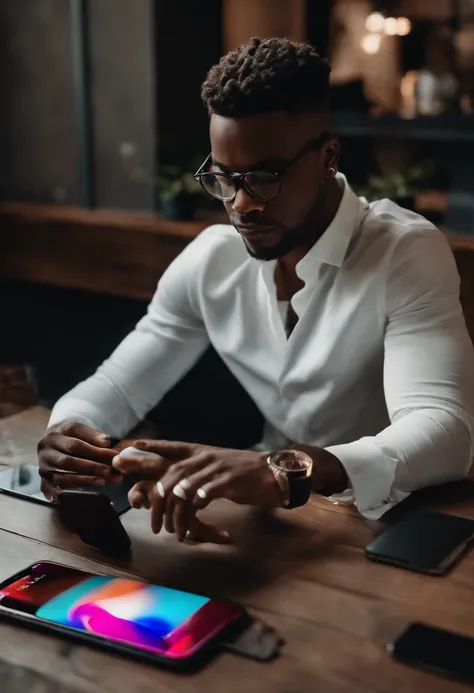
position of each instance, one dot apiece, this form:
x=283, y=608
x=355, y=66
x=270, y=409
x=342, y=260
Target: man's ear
x=332, y=151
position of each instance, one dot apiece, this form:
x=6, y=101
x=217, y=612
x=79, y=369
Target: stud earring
x=331, y=172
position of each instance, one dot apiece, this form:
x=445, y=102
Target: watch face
x=292, y=461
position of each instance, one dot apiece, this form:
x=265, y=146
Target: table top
x=303, y=572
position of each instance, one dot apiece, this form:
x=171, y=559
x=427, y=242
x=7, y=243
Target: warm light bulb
x=375, y=22
x=370, y=43
x=403, y=26
x=391, y=26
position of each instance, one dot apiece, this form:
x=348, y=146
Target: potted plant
x=399, y=186
x=178, y=192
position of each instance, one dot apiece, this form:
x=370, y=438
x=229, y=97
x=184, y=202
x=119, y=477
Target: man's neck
x=286, y=279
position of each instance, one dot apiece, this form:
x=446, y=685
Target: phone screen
x=437, y=650
x=147, y=617
x=23, y=480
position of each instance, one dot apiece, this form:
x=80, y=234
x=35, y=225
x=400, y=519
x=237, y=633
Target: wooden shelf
x=112, y=252
x=100, y=218
x=449, y=128
x=109, y=252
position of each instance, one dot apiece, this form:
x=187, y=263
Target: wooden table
x=303, y=572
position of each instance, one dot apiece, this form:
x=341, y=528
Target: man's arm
x=150, y=360
x=428, y=380
x=429, y=388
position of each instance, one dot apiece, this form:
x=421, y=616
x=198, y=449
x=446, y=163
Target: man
x=340, y=318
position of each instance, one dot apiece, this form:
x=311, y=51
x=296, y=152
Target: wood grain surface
x=112, y=252
x=303, y=572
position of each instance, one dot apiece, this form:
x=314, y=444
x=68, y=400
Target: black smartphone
x=426, y=541
x=436, y=650
x=146, y=622
x=23, y=481
x=92, y=516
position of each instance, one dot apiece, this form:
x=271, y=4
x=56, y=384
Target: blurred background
x=101, y=128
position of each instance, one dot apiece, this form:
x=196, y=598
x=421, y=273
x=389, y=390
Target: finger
x=184, y=470
x=138, y=496
x=220, y=487
x=145, y=467
x=176, y=488
x=64, y=481
x=131, y=451
x=201, y=478
x=49, y=491
x=158, y=500
x=79, y=448
x=202, y=532
x=174, y=474
x=169, y=512
x=180, y=514
x=171, y=449
x=177, y=509
x=56, y=460
x=72, y=429
x=115, y=478
x=183, y=514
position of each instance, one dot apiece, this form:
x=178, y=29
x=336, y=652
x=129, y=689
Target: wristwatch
x=292, y=471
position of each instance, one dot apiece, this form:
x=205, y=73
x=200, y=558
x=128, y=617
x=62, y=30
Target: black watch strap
x=300, y=491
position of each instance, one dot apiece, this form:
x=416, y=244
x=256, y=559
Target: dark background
x=147, y=61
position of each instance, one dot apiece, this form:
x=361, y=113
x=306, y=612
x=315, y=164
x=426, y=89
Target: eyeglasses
x=263, y=186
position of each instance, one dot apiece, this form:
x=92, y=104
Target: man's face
x=269, y=142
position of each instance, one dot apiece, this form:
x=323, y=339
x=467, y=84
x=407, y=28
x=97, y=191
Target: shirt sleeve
x=428, y=382
x=150, y=360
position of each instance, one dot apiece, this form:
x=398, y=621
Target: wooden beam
x=124, y=253
x=117, y=253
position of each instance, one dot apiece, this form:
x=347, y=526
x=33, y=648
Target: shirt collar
x=332, y=247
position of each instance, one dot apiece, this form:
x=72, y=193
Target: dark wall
x=37, y=125
x=123, y=97
x=64, y=335
x=317, y=24
x=189, y=42
x=148, y=59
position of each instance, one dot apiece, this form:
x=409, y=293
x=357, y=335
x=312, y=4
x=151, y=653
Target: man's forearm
x=329, y=476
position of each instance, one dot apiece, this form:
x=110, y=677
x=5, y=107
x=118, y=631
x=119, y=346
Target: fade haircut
x=267, y=75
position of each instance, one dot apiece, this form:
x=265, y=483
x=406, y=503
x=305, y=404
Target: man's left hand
x=191, y=476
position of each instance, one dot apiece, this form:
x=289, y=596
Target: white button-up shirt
x=379, y=368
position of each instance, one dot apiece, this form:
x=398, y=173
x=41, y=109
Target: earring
x=331, y=172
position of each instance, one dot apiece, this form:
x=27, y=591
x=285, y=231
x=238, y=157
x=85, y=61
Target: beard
x=305, y=234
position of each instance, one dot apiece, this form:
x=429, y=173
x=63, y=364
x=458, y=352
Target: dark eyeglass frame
x=238, y=179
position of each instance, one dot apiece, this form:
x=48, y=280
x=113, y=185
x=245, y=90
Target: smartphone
x=24, y=481
x=436, y=650
x=92, y=516
x=146, y=622
x=426, y=541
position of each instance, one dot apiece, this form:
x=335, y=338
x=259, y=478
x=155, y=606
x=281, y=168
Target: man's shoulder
x=415, y=257
x=396, y=230
x=217, y=235
x=219, y=238
x=220, y=244
x=389, y=219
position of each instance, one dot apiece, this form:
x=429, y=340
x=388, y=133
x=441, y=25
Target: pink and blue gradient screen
x=157, y=619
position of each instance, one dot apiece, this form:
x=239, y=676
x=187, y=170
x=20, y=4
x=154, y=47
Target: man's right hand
x=72, y=454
